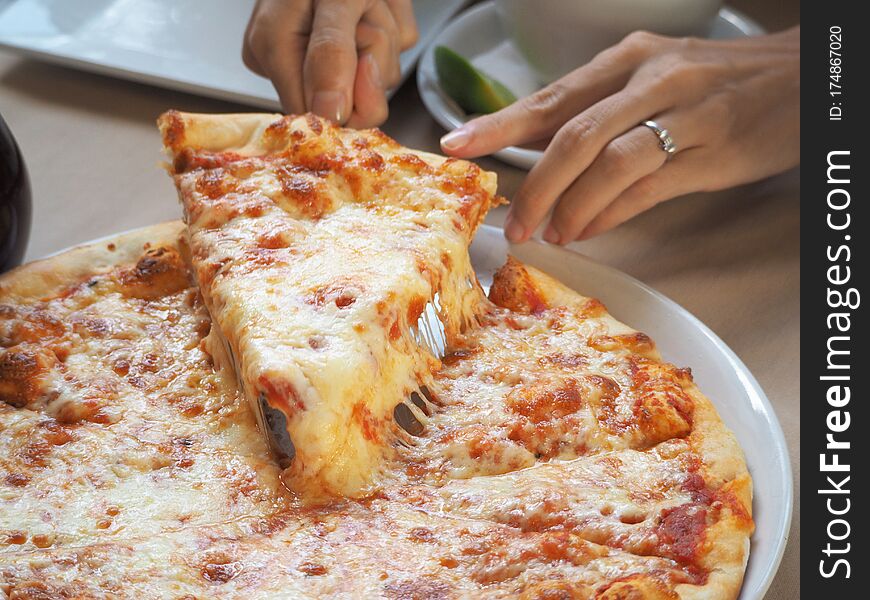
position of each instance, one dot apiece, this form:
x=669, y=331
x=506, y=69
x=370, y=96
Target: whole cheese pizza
x=212, y=409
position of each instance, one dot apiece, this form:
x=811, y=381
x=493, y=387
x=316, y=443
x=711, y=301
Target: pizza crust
x=242, y=133
x=521, y=287
x=48, y=276
x=258, y=134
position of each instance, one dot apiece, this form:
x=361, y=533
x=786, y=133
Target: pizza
x=553, y=453
x=132, y=467
x=316, y=249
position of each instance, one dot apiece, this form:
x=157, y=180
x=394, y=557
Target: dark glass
x=14, y=201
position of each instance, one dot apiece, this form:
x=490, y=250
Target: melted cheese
x=614, y=498
x=316, y=262
x=128, y=431
x=523, y=388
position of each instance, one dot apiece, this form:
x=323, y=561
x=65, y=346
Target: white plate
x=189, y=45
x=686, y=342
x=477, y=35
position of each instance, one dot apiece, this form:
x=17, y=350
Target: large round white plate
x=477, y=35
x=686, y=342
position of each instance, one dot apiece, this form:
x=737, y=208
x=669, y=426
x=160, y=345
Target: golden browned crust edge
x=726, y=550
x=246, y=134
x=232, y=132
x=46, y=277
x=553, y=292
x=727, y=543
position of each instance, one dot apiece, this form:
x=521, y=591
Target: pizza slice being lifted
x=316, y=249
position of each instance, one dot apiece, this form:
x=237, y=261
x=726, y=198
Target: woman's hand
x=336, y=58
x=732, y=108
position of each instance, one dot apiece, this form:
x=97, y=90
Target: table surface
x=731, y=258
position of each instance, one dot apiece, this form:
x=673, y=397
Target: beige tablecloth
x=731, y=258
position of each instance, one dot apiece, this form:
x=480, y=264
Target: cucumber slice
x=473, y=90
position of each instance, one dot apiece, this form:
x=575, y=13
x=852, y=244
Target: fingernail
x=551, y=235
x=456, y=139
x=374, y=71
x=329, y=105
x=513, y=230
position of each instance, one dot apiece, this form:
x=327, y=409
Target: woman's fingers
x=687, y=128
x=311, y=51
x=285, y=70
x=731, y=106
x=249, y=58
x=674, y=179
x=541, y=114
x=330, y=65
x=378, y=68
x=403, y=12
x=274, y=46
x=378, y=34
x=621, y=162
x=370, y=104
x=573, y=149
x=600, y=198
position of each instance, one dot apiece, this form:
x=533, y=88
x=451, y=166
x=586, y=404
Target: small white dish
x=477, y=35
x=187, y=45
x=686, y=342
x=566, y=33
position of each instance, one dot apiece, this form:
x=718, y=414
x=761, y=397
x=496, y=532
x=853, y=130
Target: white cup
x=557, y=36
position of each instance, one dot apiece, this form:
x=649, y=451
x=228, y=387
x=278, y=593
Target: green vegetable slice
x=473, y=90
